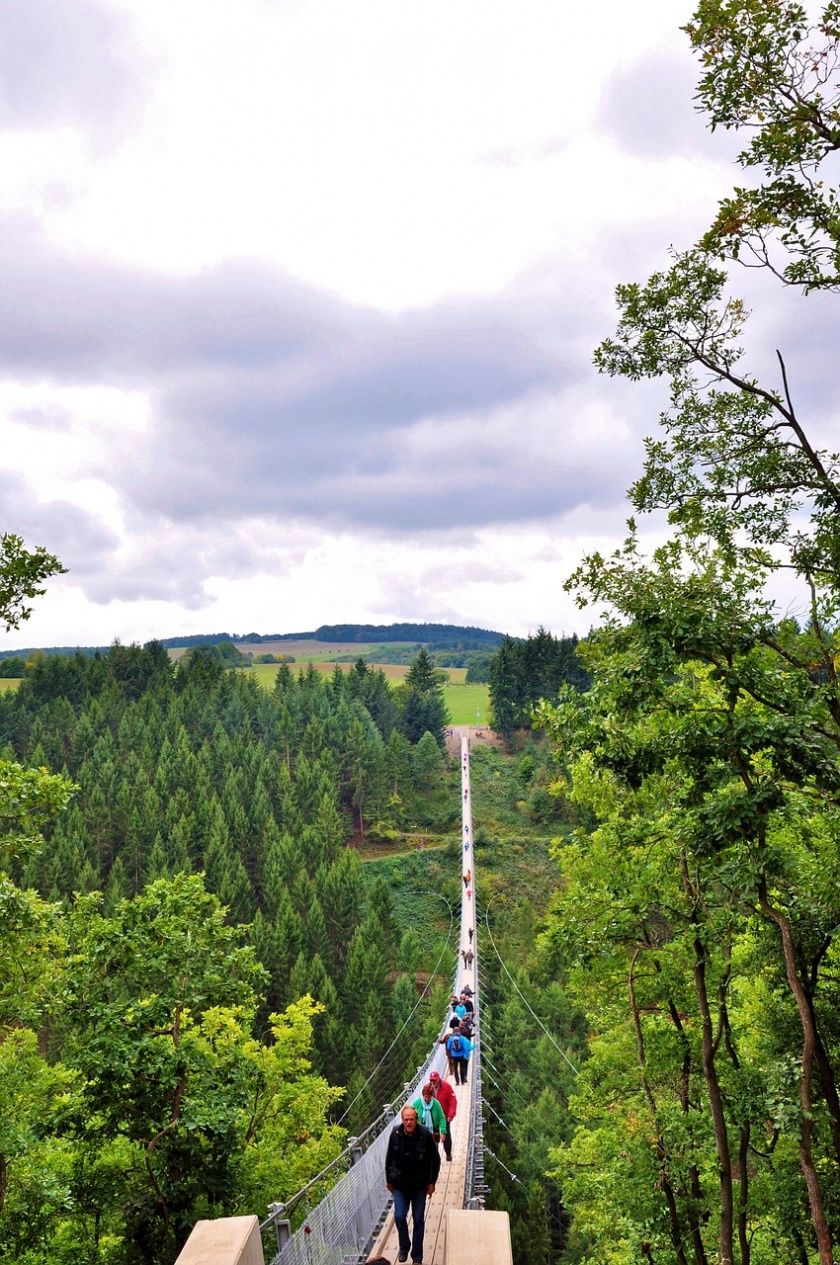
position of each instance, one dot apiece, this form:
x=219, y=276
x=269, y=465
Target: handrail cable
x=559, y=1050
x=525, y=1134
x=396, y=1086
x=319, y=1177
x=503, y=1123
x=508, y=1094
x=405, y=1023
x=511, y=1175
x=345, y=1153
x=338, y=1226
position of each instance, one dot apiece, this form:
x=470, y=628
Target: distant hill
x=427, y=634
x=442, y=636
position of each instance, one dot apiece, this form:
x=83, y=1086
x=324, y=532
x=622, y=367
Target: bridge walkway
x=338, y=1229
x=449, y=1192
x=451, y=1185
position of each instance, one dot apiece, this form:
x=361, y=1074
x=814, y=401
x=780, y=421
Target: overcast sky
x=299, y=299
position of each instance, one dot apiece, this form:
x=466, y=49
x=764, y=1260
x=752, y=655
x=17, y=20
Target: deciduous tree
x=709, y=748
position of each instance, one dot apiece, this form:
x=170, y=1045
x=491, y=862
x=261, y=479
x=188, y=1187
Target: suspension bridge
x=354, y=1219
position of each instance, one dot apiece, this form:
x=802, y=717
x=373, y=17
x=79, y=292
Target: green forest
x=193, y=957
x=696, y=907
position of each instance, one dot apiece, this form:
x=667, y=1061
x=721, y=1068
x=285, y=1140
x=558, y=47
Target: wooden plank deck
x=449, y=1192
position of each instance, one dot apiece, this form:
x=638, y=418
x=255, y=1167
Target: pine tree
x=410, y=956
x=156, y=865
x=299, y=978
x=503, y=689
x=328, y=828
x=341, y=894
x=424, y=708
x=316, y=938
x=427, y=763
x=116, y=889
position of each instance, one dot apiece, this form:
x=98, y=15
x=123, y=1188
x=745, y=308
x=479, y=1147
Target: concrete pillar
x=224, y=1241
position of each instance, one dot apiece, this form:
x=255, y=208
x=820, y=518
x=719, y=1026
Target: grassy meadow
x=466, y=704
x=9, y=683
x=266, y=672
x=305, y=651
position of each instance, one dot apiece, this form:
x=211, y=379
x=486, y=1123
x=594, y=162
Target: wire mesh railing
x=475, y=1187
x=340, y=1227
x=343, y=1222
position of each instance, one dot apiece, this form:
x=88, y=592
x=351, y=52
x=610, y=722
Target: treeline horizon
x=449, y=636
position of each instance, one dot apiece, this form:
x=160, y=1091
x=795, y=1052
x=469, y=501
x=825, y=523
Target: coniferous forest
x=171, y=1064
x=523, y=672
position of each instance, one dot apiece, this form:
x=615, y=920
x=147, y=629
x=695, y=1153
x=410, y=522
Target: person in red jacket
x=445, y=1095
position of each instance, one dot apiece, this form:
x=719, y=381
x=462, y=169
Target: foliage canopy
x=698, y=917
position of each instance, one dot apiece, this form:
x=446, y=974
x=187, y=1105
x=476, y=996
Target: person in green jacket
x=430, y=1113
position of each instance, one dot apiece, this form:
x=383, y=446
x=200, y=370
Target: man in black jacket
x=412, y=1165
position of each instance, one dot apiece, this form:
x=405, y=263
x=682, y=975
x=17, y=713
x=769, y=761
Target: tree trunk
x=661, y=1149
x=742, y=1175
x=827, y=1081
x=727, y=1211
x=727, y=1214
x=743, y=1194
x=697, y=1200
x=809, y=1042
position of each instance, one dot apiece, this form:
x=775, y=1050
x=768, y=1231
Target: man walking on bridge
x=412, y=1165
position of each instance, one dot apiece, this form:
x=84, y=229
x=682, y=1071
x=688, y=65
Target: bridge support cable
x=524, y=999
x=344, y=1221
x=475, y=1186
x=405, y=1023
x=342, y=1224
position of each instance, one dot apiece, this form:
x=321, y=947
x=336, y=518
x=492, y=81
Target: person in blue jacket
x=459, y=1049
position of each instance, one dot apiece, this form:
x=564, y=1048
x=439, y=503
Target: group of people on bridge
x=457, y=1038
x=412, y=1162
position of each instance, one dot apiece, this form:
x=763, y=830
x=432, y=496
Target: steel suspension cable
x=524, y=999
x=406, y=1022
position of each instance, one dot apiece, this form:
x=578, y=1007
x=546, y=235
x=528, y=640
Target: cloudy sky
x=300, y=298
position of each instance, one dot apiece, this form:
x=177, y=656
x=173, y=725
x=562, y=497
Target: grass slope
x=516, y=873
x=466, y=704
x=462, y=700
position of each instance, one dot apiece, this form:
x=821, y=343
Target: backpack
x=456, y=1045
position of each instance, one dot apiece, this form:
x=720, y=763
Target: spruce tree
x=424, y=708
x=427, y=763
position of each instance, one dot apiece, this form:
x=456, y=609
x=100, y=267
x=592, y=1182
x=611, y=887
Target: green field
x=9, y=682
x=464, y=701
x=304, y=651
x=266, y=672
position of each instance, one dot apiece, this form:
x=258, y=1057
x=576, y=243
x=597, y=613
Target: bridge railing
x=343, y=1224
x=339, y=1229
x=475, y=1187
